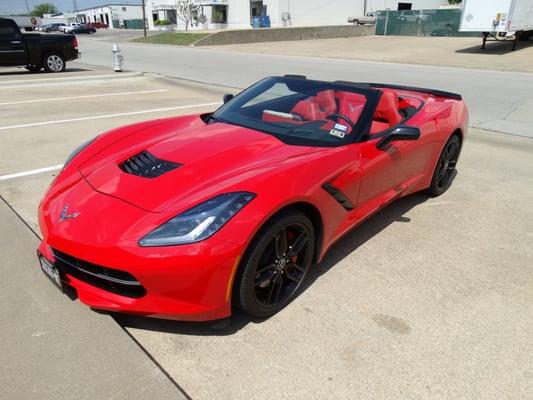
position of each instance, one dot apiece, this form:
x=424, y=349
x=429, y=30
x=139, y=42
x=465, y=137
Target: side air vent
x=339, y=196
x=147, y=165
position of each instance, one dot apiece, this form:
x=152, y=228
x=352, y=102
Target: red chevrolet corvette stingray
x=187, y=217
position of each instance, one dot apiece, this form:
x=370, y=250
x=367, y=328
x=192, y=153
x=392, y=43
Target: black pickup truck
x=35, y=50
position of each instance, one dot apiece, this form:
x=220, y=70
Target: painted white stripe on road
x=62, y=121
x=32, y=172
x=81, y=97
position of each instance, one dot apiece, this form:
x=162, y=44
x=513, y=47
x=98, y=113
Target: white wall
x=238, y=14
x=303, y=12
x=313, y=12
x=373, y=5
x=331, y=12
x=115, y=12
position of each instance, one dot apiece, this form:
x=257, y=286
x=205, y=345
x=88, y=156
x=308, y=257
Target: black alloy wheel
x=446, y=167
x=276, y=266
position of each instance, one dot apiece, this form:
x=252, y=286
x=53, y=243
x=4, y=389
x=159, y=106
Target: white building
x=238, y=14
x=115, y=15
x=62, y=18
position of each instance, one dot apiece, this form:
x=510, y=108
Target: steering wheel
x=335, y=116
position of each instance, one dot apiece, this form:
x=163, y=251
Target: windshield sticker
x=336, y=133
x=341, y=127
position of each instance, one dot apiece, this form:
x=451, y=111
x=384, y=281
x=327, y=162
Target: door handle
x=16, y=42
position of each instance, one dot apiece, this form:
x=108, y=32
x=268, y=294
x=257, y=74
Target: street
x=498, y=101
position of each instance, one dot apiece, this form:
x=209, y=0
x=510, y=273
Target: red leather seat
x=388, y=108
x=308, y=110
x=351, y=105
x=326, y=102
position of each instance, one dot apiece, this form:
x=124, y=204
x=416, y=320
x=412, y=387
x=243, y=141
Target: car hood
x=212, y=159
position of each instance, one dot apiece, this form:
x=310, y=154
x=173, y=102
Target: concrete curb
x=68, y=80
x=239, y=36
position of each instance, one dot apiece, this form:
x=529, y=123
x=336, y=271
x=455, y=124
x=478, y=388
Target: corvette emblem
x=64, y=214
x=353, y=107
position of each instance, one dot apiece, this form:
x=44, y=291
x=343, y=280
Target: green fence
x=128, y=24
x=421, y=23
x=133, y=23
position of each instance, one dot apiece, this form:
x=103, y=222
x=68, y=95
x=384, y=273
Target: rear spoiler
x=433, y=92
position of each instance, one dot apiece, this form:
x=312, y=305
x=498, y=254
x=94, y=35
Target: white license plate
x=51, y=271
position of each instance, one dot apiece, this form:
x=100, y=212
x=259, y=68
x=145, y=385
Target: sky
x=19, y=6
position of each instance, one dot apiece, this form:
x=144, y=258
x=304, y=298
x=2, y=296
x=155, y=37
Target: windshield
x=301, y=111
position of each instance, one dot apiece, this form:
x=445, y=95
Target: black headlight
x=198, y=223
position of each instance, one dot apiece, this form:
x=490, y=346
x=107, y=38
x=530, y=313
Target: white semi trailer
x=498, y=19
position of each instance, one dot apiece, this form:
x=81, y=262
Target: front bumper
x=188, y=287
x=186, y=282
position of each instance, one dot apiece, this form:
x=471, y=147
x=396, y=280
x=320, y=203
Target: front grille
x=112, y=280
x=147, y=165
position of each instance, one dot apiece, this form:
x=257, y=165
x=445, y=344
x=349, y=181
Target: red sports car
x=188, y=217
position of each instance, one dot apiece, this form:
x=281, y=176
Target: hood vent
x=147, y=165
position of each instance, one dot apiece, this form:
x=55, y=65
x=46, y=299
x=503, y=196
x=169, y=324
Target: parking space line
x=32, y=172
x=62, y=121
x=88, y=96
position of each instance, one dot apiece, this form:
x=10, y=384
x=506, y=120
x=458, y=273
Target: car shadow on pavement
x=361, y=234
x=340, y=250
x=25, y=72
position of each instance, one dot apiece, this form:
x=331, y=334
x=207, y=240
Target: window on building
x=404, y=6
x=220, y=14
x=257, y=8
x=123, y=8
x=171, y=16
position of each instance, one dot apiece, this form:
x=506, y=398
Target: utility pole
x=364, y=8
x=144, y=20
x=28, y=7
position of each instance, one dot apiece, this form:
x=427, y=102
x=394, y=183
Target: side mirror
x=227, y=97
x=399, y=133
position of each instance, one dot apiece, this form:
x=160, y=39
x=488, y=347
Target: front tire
x=275, y=265
x=54, y=62
x=445, y=170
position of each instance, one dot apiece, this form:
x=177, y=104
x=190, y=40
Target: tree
x=455, y=2
x=43, y=8
x=186, y=10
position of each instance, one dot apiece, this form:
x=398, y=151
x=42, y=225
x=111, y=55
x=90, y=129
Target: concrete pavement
x=53, y=348
x=497, y=100
x=429, y=299
x=462, y=52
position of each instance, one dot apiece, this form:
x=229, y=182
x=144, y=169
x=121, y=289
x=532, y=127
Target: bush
x=162, y=22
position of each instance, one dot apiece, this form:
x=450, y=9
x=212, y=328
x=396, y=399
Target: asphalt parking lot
x=430, y=298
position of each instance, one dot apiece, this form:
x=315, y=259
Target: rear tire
x=54, y=62
x=445, y=171
x=275, y=265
